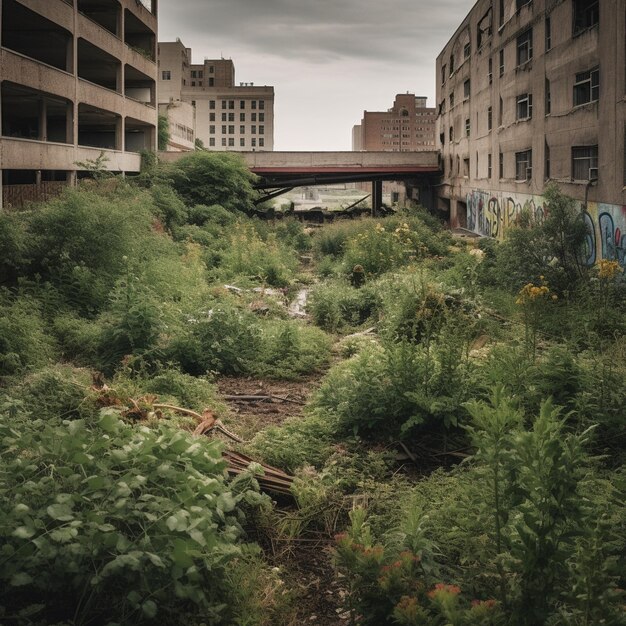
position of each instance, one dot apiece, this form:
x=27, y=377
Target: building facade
x=408, y=126
x=531, y=92
x=78, y=78
x=229, y=117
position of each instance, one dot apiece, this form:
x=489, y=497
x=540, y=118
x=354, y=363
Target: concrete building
x=228, y=116
x=408, y=126
x=528, y=92
x=78, y=77
x=181, y=117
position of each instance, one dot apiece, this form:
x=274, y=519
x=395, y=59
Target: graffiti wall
x=492, y=213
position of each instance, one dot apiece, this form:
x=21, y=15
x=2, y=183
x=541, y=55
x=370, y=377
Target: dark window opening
x=524, y=165
x=138, y=36
x=103, y=12
x=585, y=163
x=586, y=15
x=587, y=87
x=525, y=47
x=138, y=86
x=98, y=66
x=98, y=128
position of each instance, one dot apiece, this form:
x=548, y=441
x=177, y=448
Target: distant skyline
x=328, y=61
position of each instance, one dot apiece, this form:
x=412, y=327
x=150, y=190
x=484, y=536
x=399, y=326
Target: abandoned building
x=528, y=92
x=78, y=80
x=228, y=117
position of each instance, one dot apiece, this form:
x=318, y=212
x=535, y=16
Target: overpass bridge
x=280, y=172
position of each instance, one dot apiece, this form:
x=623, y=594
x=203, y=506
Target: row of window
x=230, y=130
x=230, y=143
x=586, y=14
x=586, y=90
x=230, y=104
x=584, y=164
x=230, y=117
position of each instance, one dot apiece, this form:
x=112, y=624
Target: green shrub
x=55, y=391
x=113, y=523
x=190, y=392
x=222, y=339
x=213, y=178
x=24, y=343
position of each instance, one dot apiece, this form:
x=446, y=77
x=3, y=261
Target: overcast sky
x=328, y=60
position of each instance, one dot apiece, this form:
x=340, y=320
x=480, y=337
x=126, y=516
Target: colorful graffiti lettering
x=491, y=215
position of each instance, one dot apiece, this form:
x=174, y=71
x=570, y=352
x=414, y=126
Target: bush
x=24, y=343
x=213, y=178
x=127, y=524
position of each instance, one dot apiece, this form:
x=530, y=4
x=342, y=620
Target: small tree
x=163, y=132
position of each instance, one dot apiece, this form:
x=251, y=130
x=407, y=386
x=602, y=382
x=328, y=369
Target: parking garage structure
x=78, y=81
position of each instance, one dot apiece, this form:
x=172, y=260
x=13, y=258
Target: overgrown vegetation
x=462, y=452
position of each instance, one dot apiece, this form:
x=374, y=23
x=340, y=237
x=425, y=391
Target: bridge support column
x=377, y=197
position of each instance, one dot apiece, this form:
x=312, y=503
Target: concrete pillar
x=43, y=120
x=377, y=196
x=69, y=123
x=119, y=133
x=38, y=178
x=120, y=22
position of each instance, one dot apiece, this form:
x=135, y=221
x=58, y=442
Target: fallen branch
x=207, y=421
x=261, y=399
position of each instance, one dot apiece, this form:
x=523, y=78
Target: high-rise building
x=530, y=92
x=227, y=116
x=408, y=126
x=78, y=79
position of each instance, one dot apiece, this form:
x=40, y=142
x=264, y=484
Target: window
x=521, y=3
x=253, y=117
x=548, y=25
x=501, y=165
x=466, y=89
x=467, y=127
x=231, y=117
x=524, y=110
x=166, y=75
x=254, y=104
x=502, y=62
x=489, y=165
x=224, y=117
x=443, y=73
x=501, y=13
x=242, y=117
x=261, y=117
x=211, y=104
x=242, y=104
x=253, y=129
x=261, y=130
x=224, y=104
x=231, y=104
x=451, y=64
x=523, y=165
x=212, y=142
x=452, y=99
x=231, y=142
x=211, y=82
x=194, y=74
x=223, y=130
x=500, y=112
x=253, y=142
x=587, y=87
x=546, y=163
x=200, y=74
x=223, y=141
x=211, y=69
x=262, y=105
x=490, y=73
x=548, y=97
x=489, y=118
x=242, y=130
x=211, y=117
x=451, y=133
x=525, y=47
x=261, y=142
x=211, y=130
x=242, y=143
x=466, y=167
x=585, y=162
x=586, y=15
x=467, y=48
x=231, y=130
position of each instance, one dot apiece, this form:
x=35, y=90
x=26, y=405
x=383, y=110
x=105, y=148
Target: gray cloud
x=328, y=59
